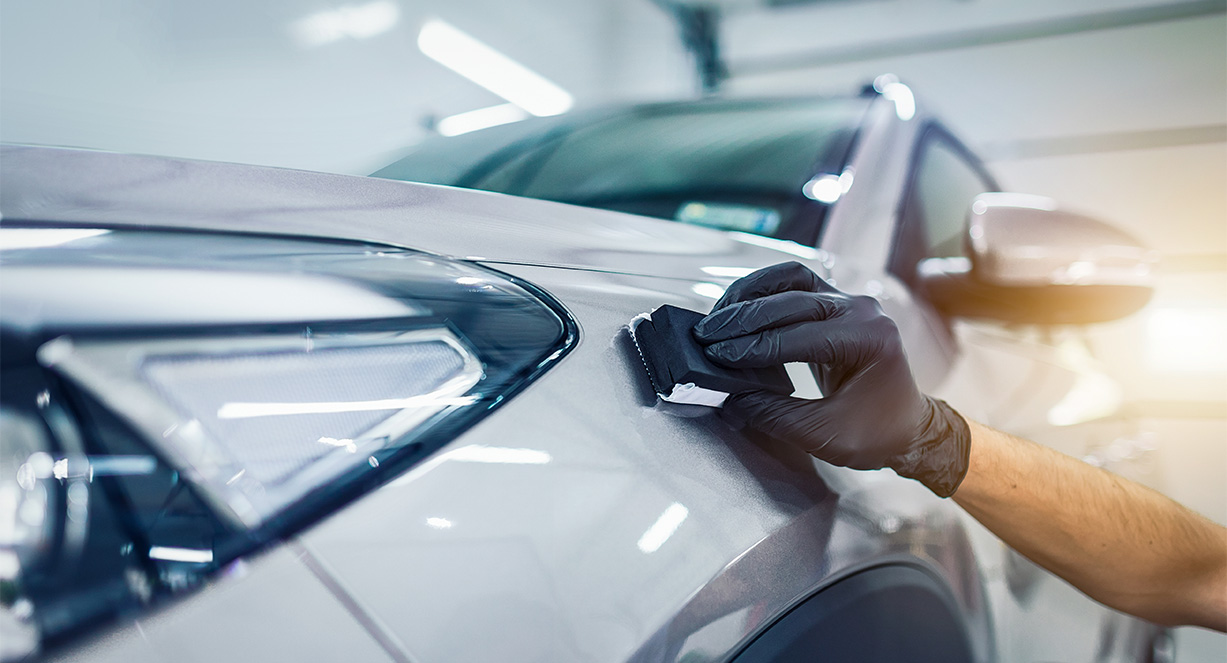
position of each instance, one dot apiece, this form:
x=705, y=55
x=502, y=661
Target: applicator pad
x=681, y=373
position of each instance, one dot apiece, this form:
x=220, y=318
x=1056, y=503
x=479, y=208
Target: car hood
x=81, y=187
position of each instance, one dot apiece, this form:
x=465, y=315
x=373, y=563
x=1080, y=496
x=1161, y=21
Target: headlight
x=203, y=403
x=259, y=422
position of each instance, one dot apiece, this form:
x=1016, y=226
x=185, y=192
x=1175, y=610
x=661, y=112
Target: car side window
x=945, y=178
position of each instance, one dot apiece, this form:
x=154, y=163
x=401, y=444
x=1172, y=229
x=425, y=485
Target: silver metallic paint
x=539, y=561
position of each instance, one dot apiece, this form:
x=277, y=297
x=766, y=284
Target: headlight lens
x=191, y=432
x=259, y=422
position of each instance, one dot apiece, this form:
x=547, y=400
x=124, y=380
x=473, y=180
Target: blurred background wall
x=1118, y=108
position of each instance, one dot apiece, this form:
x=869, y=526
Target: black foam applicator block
x=673, y=356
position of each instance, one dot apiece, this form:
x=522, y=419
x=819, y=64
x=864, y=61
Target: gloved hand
x=872, y=415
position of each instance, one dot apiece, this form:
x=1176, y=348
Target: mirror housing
x=1034, y=264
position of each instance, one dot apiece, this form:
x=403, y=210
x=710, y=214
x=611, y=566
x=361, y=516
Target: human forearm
x=1121, y=543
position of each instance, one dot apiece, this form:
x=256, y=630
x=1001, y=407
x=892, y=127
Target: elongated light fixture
x=492, y=70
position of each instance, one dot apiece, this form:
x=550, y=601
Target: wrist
x=940, y=453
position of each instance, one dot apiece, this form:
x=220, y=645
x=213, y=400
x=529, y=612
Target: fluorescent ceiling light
x=492, y=70
x=482, y=118
x=356, y=21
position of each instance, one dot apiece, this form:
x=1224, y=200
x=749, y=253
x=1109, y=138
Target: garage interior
x=1116, y=108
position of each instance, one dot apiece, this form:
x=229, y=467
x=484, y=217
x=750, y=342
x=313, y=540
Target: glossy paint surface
x=585, y=521
x=94, y=188
x=606, y=568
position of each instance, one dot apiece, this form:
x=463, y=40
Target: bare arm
x=1122, y=544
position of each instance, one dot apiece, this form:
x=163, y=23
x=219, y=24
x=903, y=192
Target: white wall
x=227, y=80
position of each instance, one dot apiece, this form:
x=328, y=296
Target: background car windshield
x=736, y=165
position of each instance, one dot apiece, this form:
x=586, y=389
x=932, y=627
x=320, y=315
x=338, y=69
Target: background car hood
x=82, y=187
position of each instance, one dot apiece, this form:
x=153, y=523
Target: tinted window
x=741, y=160
x=945, y=182
x=671, y=149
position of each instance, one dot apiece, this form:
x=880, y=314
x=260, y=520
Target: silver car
x=261, y=414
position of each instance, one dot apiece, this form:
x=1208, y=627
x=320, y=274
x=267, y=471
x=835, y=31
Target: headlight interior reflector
x=258, y=422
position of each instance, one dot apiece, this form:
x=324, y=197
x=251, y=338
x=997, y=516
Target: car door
x=1014, y=379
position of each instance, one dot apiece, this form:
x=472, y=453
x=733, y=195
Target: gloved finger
x=776, y=310
x=770, y=280
x=840, y=341
x=806, y=424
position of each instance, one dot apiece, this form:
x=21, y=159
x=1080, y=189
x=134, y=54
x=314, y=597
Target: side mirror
x=1034, y=264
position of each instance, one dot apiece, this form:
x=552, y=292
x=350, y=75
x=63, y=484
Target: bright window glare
x=1187, y=339
x=482, y=118
x=663, y=528
x=356, y=21
x=492, y=70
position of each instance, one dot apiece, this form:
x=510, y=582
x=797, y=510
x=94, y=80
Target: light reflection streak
x=784, y=245
x=663, y=528
x=1008, y=199
x=729, y=272
x=709, y=290
x=36, y=238
x=476, y=453
x=169, y=554
x=122, y=465
x=248, y=410
x=347, y=444
x=483, y=454
x=482, y=118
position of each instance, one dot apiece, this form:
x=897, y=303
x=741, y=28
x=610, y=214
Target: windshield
x=738, y=165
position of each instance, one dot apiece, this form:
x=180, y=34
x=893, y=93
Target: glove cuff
x=940, y=455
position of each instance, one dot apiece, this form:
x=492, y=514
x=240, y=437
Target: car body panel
x=553, y=554
x=556, y=559
x=88, y=188
x=272, y=607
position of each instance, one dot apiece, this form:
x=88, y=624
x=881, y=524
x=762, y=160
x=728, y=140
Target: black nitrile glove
x=873, y=415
